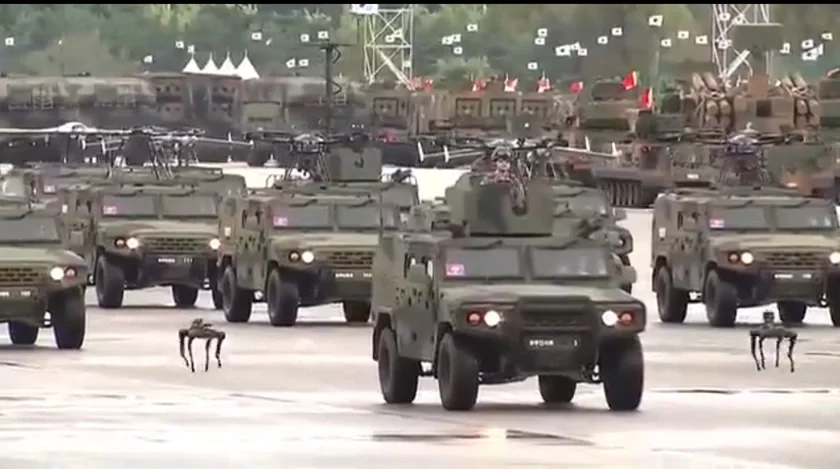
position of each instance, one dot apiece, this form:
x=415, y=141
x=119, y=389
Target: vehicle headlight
x=56, y=273
x=747, y=258
x=215, y=244
x=132, y=243
x=834, y=257
x=492, y=318
x=307, y=257
x=609, y=318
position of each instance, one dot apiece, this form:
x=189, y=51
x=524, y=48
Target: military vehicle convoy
x=38, y=276
x=299, y=250
x=743, y=246
x=134, y=237
x=498, y=299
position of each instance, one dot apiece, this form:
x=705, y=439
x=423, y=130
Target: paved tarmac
x=308, y=397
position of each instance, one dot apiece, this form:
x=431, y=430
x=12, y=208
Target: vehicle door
x=247, y=246
x=417, y=312
x=685, y=245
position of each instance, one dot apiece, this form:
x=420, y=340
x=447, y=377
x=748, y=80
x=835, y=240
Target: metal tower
x=724, y=17
x=387, y=36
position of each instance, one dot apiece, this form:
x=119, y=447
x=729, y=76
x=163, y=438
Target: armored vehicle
x=398, y=116
x=740, y=246
x=135, y=237
x=500, y=298
x=38, y=276
x=300, y=250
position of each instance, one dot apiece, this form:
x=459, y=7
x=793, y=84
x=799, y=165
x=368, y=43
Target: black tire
x=68, y=317
x=622, y=368
x=721, y=299
x=672, y=302
x=218, y=301
x=236, y=302
x=792, y=312
x=398, y=376
x=110, y=283
x=23, y=334
x=556, y=389
x=184, y=296
x=282, y=299
x=457, y=373
x=257, y=156
x=356, y=311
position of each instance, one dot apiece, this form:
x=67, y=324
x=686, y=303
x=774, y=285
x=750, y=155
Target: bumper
x=767, y=286
x=339, y=285
x=26, y=304
x=177, y=269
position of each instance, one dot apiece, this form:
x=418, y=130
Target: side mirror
x=417, y=273
x=619, y=214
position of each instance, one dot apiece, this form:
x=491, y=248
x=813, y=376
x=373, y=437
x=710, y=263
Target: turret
x=605, y=106
x=484, y=208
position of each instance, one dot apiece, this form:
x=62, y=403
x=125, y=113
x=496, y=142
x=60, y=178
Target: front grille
x=175, y=245
x=349, y=259
x=794, y=260
x=20, y=275
x=550, y=313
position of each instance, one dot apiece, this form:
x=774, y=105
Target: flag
x=428, y=84
x=543, y=84
x=510, y=84
x=631, y=80
x=479, y=85
x=646, y=99
x=576, y=87
x=364, y=8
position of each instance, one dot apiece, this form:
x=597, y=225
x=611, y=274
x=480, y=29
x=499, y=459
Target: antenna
x=332, y=54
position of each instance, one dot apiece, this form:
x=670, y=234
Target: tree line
x=113, y=39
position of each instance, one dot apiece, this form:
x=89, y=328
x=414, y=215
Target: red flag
x=428, y=84
x=510, y=84
x=646, y=99
x=479, y=85
x=543, y=84
x=631, y=80
x=576, y=87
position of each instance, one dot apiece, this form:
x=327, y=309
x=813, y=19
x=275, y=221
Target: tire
x=257, y=157
x=792, y=312
x=282, y=300
x=68, y=318
x=218, y=301
x=556, y=389
x=23, y=334
x=110, y=283
x=356, y=311
x=721, y=299
x=672, y=303
x=457, y=372
x=236, y=302
x=628, y=287
x=622, y=368
x=184, y=296
x=398, y=376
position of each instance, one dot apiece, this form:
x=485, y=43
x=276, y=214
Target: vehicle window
x=13, y=186
x=738, y=218
x=367, y=216
x=311, y=216
x=566, y=263
x=483, y=263
x=128, y=206
x=806, y=218
x=29, y=230
x=190, y=206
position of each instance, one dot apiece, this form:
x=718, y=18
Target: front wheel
x=282, y=300
x=398, y=376
x=184, y=296
x=356, y=311
x=557, y=389
x=23, y=334
x=110, y=283
x=721, y=299
x=236, y=302
x=792, y=312
x=457, y=373
x=622, y=368
x=68, y=316
x=671, y=302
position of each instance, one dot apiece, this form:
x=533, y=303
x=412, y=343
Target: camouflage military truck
x=38, y=276
x=742, y=247
x=298, y=250
x=135, y=237
x=38, y=102
x=499, y=299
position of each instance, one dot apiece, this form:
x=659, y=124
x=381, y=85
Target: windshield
x=311, y=216
x=29, y=230
x=806, y=218
x=367, y=216
x=574, y=262
x=190, y=206
x=483, y=263
x=737, y=218
x=128, y=206
x=14, y=186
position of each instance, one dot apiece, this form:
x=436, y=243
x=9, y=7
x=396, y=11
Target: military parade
x=552, y=257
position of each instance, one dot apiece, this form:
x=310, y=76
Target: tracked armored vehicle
x=742, y=246
x=499, y=298
x=134, y=237
x=300, y=250
x=38, y=276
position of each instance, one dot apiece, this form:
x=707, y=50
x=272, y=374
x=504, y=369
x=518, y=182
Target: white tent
x=192, y=66
x=246, y=70
x=210, y=68
x=227, y=68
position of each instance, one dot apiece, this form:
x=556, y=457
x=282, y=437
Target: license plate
x=545, y=343
x=790, y=276
x=174, y=260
